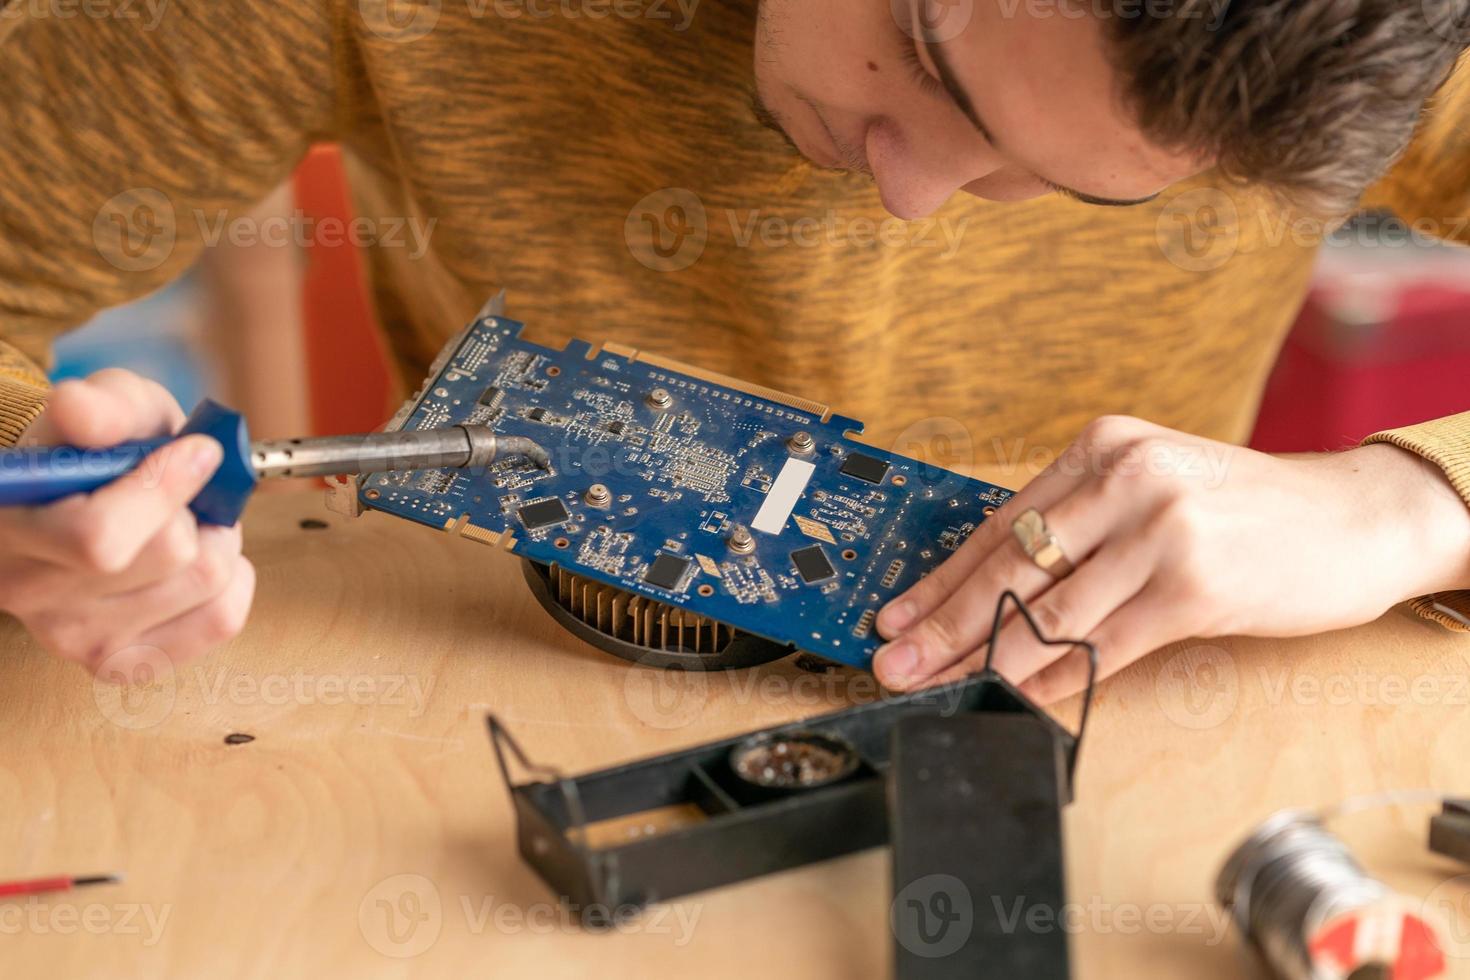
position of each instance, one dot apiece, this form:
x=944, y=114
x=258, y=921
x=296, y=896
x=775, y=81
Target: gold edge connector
x=480, y=534
x=822, y=412
x=462, y=527
x=756, y=391
x=617, y=350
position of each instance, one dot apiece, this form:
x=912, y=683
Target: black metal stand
x=611, y=841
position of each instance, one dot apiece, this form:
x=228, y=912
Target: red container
x=1383, y=341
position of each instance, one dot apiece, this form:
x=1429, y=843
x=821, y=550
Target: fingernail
x=204, y=456
x=897, y=615
x=897, y=662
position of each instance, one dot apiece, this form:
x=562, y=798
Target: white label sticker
x=785, y=492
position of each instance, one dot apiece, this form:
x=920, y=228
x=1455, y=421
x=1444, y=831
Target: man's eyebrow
x=951, y=84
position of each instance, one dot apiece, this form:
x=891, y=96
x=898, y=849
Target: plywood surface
x=364, y=832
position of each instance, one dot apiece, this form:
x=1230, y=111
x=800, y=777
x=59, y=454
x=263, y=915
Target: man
x=1084, y=258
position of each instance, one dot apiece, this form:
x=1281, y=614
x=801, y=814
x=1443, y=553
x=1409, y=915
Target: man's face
x=1004, y=99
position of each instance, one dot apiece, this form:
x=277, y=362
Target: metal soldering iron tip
x=486, y=447
x=521, y=446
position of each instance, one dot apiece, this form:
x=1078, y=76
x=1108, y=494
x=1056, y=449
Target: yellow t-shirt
x=607, y=171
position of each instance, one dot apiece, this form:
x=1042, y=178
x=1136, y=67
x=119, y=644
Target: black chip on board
x=543, y=513
x=617, y=428
x=490, y=397
x=812, y=564
x=536, y=414
x=865, y=467
x=667, y=571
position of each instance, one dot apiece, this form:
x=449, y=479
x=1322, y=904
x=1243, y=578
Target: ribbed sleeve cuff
x=20, y=403
x=1446, y=443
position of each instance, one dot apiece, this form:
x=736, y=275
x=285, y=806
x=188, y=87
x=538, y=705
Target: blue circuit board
x=836, y=529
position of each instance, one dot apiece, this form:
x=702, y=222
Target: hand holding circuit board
x=1161, y=536
x=682, y=503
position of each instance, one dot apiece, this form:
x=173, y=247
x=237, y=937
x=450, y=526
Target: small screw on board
x=740, y=540
x=660, y=398
x=802, y=442
x=598, y=495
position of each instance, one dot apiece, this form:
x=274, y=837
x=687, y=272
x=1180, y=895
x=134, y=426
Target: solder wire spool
x=1298, y=895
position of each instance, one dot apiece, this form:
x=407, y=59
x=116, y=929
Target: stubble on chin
x=770, y=119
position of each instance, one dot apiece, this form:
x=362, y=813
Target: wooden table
x=364, y=832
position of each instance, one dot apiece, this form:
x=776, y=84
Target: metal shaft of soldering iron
x=472, y=446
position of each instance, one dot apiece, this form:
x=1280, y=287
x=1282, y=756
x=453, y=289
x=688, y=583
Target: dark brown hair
x=1313, y=98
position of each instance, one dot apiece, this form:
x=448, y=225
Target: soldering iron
x=38, y=475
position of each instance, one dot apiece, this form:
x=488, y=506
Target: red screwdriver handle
x=35, y=886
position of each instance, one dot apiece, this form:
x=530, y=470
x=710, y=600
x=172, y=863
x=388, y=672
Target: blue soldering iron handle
x=45, y=474
x=38, y=475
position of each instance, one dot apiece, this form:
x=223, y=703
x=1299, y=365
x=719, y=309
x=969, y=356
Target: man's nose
x=916, y=176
